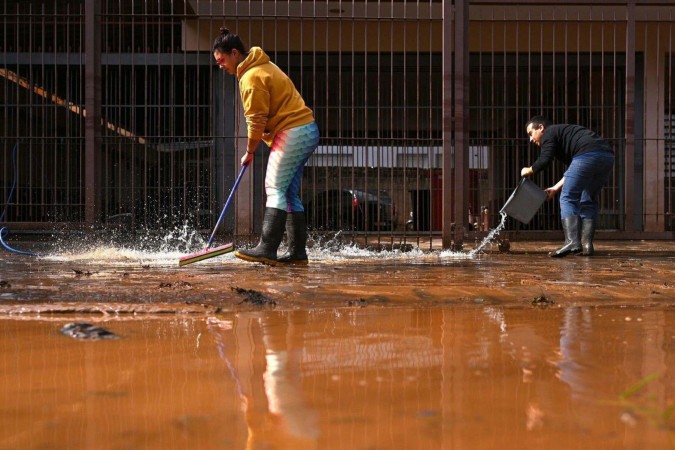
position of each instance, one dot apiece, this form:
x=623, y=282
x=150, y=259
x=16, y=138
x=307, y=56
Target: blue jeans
x=584, y=179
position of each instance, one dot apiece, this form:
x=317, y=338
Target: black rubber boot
x=587, y=232
x=572, y=244
x=272, y=232
x=296, y=230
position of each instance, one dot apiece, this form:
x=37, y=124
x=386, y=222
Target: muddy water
x=360, y=350
x=118, y=281
x=351, y=378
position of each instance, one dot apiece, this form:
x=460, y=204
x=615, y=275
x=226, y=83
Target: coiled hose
x=4, y=231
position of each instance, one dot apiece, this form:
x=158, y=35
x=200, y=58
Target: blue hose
x=4, y=231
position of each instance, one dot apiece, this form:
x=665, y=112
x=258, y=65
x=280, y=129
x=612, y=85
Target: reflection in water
x=272, y=402
x=576, y=330
x=350, y=378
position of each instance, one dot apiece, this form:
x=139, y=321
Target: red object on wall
x=437, y=199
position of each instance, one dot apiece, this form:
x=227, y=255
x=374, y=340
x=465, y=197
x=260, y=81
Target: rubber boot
x=587, y=232
x=296, y=230
x=572, y=244
x=272, y=232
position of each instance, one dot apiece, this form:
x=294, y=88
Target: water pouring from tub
x=523, y=204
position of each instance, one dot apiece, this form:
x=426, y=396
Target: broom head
x=205, y=254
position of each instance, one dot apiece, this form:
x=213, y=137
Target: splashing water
x=491, y=236
x=113, y=247
x=164, y=250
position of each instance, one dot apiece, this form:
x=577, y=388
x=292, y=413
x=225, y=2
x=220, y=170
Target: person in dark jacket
x=590, y=159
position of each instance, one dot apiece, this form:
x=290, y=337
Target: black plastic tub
x=525, y=201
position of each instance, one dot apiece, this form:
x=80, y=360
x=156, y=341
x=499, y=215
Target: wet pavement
x=360, y=350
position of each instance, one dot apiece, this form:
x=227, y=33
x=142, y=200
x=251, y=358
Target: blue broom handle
x=227, y=203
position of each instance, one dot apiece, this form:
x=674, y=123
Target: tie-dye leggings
x=289, y=153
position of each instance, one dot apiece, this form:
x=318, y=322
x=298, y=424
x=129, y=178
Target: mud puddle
x=115, y=281
x=359, y=350
x=347, y=378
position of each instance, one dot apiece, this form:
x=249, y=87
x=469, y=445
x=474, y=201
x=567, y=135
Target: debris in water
x=542, y=300
x=87, y=331
x=176, y=285
x=629, y=419
x=254, y=297
x=5, y=284
x=85, y=273
x=504, y=245
x=361, y=303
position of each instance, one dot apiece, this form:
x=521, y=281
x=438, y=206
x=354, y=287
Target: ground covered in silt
x=120, y=280
x=112, y=347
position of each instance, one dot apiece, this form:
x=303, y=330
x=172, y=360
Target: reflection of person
x=276, y=114
x=590, y=159
x=268, y=379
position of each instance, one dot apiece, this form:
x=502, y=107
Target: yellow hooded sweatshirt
x=271, y=102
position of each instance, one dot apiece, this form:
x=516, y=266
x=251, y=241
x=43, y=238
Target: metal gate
x=113, y=112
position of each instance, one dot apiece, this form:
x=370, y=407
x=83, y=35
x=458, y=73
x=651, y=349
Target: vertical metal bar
x=338, y=136
x=115, y=146
x=433, y=140
x=93, y=108
x=659, y=206
x=5, y=144
x=461, y=122
x=529, y=70
x=366, y=133
x=602, y=130
x=379, y=132
x=493, y=143
x=61, y=156
x=47, y=108
x=172, y=123
x=480, y=141
x=545, y=223
x=74, y=122
x=360, y=166
x=108, y=149
x=670, y=135
x=615, y=117
x=393, y=143
x=31, y=126
x=629, y=136
x=590, y=67
x=449, y=46
x=567, y=79
x=132, y=146
x=578, y=65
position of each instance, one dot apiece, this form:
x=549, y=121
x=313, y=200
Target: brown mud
x=359, y=350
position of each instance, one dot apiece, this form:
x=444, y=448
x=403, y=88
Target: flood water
x=360, y=350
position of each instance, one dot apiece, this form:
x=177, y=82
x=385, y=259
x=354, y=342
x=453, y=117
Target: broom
x=217, y=251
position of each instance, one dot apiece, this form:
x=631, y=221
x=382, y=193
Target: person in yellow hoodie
x=277, y=115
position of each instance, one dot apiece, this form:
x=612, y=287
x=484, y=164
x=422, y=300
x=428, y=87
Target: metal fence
x=114, y=111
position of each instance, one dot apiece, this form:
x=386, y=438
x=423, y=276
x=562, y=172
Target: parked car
x=351, y=210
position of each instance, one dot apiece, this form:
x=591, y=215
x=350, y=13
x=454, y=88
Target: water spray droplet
x=491, y=236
